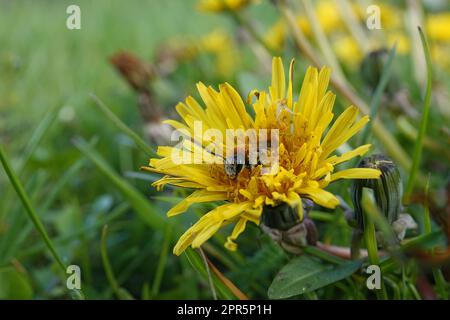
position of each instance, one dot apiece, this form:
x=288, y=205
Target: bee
x=235, y=164
x=232, y=168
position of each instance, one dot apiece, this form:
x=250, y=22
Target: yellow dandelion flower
x=327, y=13
x=221, y=45
x=276, y=36
x=348, y=51
x=306, y=164
x=223, y=5
x=402, y=41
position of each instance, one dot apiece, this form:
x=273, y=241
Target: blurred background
x=139, y=58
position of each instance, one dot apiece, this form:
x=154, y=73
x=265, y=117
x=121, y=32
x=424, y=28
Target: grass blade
x=197, y=263
x=36, y=137
x=17, y=185
x=140, y=143
x=120, y=292
x=379, y=90
x=162, y=260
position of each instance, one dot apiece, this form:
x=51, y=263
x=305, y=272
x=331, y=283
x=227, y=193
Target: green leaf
x=14, y=285
x=305, y=274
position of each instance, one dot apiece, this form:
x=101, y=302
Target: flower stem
x=319, y=253
x=372, y=249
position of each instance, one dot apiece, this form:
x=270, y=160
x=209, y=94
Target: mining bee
x=233, y=165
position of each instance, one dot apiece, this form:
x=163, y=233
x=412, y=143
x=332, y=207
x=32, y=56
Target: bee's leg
x=355, y=251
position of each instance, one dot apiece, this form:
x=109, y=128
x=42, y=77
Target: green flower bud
x=284, y=217
x=387, y=190
x=285, y=226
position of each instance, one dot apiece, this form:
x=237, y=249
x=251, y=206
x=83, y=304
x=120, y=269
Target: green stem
x=314, y=251
x=372, y=249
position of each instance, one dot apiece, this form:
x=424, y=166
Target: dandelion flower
x=306, y=164
x=438, y=26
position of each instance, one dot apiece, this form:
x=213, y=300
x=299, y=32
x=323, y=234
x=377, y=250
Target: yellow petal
x=205, y=234
x=196, y=197
x=291, y=80
x=349, y=155
x=238, y=229
x=320, y=196
x=278, y=87
x=356, y=173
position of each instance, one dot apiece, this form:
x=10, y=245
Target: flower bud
x=387, y=190
x=284, y=225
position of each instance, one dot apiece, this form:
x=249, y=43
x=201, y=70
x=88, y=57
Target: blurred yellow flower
x=441, y=54
x=348, y=51
x=327, y=13
x=220, y=44
x=306, y=164
x=438, y=26
x=275, y=37
x=223, y=5
x=390, y=15
x=402, y=41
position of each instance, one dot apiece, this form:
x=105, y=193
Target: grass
x=418, y=147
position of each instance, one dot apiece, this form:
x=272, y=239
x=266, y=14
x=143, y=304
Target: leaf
x=305, y=274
